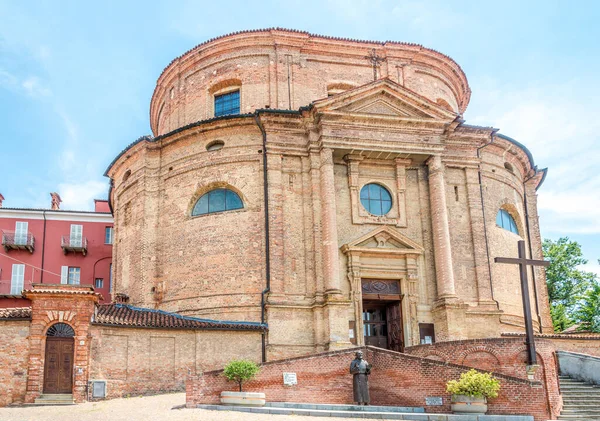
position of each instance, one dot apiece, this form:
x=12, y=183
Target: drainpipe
x=535, y=291
x=43, y=248
x=485, y=231
x=267, y=237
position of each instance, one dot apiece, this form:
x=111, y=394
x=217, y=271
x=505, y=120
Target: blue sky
x=76, y=79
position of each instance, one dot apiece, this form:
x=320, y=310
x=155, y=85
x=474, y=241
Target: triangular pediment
x=387, y=99
x=384, y=239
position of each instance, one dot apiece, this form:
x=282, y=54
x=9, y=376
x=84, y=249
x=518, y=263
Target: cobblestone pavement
x=136, y=409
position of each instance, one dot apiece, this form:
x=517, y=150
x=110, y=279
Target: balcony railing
x=74, y=244
x=12, y=240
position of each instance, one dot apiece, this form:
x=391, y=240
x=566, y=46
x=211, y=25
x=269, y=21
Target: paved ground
x=136, y=409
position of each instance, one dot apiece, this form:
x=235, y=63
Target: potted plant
x=241, y=371
x=470, y=392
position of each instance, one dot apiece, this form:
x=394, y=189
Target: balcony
x=17, y=241
x=73, y=244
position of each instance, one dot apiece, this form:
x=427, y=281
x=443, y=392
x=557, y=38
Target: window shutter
x=17, y=278
x=76, y=235
x=64, y=274
x=21, y=232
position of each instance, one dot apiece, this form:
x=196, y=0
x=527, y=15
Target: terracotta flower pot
x=243, y=398
x=462, y=404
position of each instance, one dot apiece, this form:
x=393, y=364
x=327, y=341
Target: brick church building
x=329, y=188
x=302, y=195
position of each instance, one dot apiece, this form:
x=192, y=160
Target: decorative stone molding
x=378, y=260
x=397, y=215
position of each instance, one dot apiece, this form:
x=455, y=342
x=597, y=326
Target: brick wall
x=137, y=361
x=579, y=343
x=397, y=379
x=503, y=355
x=14, y=353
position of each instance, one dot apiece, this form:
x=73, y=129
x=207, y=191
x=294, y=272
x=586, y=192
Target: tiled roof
x=130, y=316
x=19, y=313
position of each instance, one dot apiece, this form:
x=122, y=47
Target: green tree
x=241, y=371
x=570, y=290
x=588, y=313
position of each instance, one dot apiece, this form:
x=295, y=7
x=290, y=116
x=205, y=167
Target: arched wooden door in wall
x=58, y=365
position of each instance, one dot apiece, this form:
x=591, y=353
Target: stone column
x=441, y=230
x=331, y=271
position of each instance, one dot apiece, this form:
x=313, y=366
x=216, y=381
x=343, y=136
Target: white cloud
x=31, y=86
x=80, y=196
x=34, y=88
x=591, y=267
x=561, y=129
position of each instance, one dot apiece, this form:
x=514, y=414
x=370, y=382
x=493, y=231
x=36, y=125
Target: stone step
x=55, y=399
x=579, y=411
x=335, y=407
x=366, y=414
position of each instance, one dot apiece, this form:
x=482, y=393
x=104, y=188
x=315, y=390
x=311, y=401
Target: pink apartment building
x=54, y=246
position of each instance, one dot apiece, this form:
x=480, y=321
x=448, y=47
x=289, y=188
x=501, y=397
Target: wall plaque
x=434, y=401
x=290, y=379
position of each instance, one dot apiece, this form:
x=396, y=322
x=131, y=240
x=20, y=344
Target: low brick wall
x=14, y=356
x=138, y=361
x=397, y=379
x=506, y=355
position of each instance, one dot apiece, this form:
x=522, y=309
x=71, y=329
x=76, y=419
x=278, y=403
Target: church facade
x=329, y=188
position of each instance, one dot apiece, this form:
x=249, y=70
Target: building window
x=218, y=200
x=108, y=235
x=110, y=286
x=228, y=103
x=17, y=279
x=98, y=283
x=76, y=236
x=21, y=229
x=70, y=275
x=376, y=199
x=506, y=221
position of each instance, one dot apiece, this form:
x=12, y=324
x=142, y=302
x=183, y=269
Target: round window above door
x=376, y=199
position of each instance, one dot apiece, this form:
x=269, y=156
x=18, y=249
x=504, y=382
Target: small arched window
x=62, y=330
x=506, y=221
x=217, y=200
x=376, y=199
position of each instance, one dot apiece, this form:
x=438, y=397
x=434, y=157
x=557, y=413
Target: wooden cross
x=523, y=262
x=375, y=62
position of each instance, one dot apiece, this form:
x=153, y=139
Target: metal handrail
x=11, y=238
x=66, y=241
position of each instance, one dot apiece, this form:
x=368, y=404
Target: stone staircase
x=55, y=399
x=581, y=401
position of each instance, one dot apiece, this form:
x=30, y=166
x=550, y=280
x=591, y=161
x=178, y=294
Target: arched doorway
x=58, y=366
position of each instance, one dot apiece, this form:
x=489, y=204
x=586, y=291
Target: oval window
x=215, y=146
x=376, y=199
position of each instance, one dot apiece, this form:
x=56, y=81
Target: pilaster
x=441, y=230
x=331, y=270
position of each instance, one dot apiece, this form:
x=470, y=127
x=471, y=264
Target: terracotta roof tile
x=19, y=313
x=130, y=316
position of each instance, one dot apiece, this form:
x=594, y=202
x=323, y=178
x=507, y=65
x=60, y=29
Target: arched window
x=62, y=330
x=376, y=199
x=217, y=200
x=504, y=220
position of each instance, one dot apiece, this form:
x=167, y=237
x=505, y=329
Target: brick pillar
x=441, y=230
x=331, y=270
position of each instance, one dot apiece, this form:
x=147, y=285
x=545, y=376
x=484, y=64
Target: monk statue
x=360, y=369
